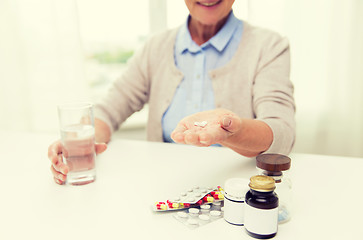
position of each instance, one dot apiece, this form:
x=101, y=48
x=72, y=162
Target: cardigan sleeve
x=273, y=99
x=128, y=93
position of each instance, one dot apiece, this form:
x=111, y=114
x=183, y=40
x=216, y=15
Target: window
x=110, y=32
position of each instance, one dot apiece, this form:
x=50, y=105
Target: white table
x=132, y=175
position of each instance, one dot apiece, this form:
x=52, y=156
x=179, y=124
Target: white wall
x=326, y=39
x=41, y=62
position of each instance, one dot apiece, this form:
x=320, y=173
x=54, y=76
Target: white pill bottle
x=234, y=200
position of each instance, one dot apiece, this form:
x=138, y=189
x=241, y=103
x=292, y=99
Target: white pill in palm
x=203, y=124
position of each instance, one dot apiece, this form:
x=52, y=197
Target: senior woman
x=214, y=80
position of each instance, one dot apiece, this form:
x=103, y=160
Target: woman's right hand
x=58, y=168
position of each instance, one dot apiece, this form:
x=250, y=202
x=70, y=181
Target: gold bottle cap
x=262, y=183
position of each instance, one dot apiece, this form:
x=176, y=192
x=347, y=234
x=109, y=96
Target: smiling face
x=209, y=12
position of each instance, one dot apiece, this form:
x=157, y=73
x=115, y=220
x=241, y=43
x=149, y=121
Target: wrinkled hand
x=58, y=168
x=221, y=124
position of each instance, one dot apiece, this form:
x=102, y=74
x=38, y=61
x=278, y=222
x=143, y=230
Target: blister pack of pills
x=193, y=197
x=202, y=215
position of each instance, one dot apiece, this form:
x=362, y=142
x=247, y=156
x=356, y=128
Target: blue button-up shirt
x=195, y=92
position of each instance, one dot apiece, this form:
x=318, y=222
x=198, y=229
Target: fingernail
x=226, y=122
x=60, y=177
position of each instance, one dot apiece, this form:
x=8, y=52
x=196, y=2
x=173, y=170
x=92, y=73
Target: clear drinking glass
x=78, y=139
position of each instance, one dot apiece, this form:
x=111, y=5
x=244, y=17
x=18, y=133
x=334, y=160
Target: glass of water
x=78, y=140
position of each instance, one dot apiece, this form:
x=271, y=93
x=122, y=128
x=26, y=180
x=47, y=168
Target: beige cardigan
x=254, y=84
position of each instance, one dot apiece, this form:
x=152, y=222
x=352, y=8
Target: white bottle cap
x=236, y=187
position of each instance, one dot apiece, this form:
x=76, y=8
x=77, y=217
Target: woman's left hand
x=207, y=127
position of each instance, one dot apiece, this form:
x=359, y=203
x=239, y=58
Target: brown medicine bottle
x=261, y=208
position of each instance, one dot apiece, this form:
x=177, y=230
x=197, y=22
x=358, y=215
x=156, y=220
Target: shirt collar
x=219, y=41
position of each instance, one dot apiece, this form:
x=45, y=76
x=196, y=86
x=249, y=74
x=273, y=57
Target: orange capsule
x=208, y=198
x=218, y=196
x=161, y=206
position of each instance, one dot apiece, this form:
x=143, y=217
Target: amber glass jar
x=261, y=208
x=277, y=166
